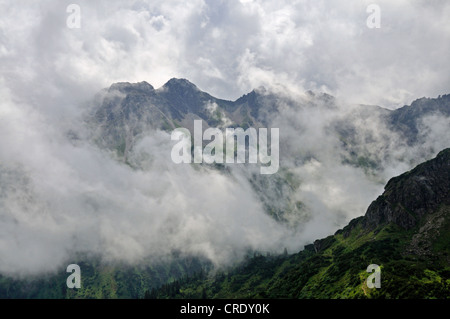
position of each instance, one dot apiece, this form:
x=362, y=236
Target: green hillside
x=405, y=231
x=101, y=281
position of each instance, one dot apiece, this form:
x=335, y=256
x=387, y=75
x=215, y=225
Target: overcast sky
x=228, y=48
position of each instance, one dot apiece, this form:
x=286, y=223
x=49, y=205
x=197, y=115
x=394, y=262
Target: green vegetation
x=100, y=281
x=334, y=267
x=338, y=270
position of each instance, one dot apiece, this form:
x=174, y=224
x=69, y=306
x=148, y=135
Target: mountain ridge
x=128, y=112
x=334, y=266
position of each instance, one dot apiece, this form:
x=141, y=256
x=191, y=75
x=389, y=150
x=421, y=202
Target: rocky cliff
x=411, y=196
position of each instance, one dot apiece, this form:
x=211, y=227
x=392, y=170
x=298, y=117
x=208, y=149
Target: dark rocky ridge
x=405, y=231
x=405, y=119
x=409, y=198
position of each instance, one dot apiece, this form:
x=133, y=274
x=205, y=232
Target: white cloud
x=309, y=44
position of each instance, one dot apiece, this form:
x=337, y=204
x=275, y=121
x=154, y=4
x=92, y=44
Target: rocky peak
x=409, y=197
x=407, y=118
x=127, y=87
x=183, y=97
x=175, y=85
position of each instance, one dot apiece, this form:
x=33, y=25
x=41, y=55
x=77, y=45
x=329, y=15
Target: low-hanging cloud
x=341, y=156
x=61, y=197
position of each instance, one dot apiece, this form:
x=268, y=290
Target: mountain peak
x=174, y=83
x=127, y=86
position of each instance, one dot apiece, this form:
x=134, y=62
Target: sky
x=58, y=197
x=228, y=48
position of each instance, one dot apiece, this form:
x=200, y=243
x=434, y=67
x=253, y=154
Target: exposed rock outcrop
x=409, y=197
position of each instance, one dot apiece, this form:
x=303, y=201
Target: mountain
x=180, y=100
x=369, y=138
x=405, y=231
x=333, y=158
x=406, y=119
x=125, y=111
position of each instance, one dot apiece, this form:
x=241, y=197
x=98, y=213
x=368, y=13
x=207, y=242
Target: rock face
x=126, y=110
x=411, y=196
x=407, y=118
x=433, y=227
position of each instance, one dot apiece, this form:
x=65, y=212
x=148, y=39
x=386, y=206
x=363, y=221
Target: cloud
x=228, y=48
x=58, y=199
x=63, y=196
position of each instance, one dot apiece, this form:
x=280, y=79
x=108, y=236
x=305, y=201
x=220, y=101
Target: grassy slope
x=337, y=271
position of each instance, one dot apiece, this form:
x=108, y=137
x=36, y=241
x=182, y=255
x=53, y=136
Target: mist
x=60, y=198
x=63, y=195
